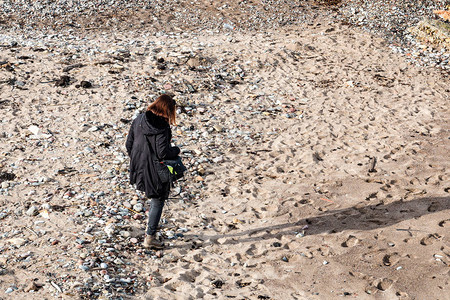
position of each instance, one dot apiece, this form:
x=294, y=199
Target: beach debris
x=85, y=84
x=18, y=242
x=372, y=164
x=316, y=157
x=63, y=81
x=217, y=283
x=6, y=176
x=74, y=66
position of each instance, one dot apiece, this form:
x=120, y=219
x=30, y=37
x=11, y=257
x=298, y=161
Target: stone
x=32, y=286
x=18, y=242
x=125, y=233
x=85, y=84
x=193, y=62
x=34, y=129
x=138, y=207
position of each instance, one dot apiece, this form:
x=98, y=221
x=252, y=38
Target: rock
x=109, y=229
x=103, y=265
x=18, y=242
x=32, y=211
x=5, y=185
x=217, y=283
x=138, y=207
x=84, y=268
x=218, y=159
x=193, y=62
x=125, y=233
x=198, y=258
x=32, y=286
x=134, y=240
x=34, y=129
x=85, y=84
x=63, y=81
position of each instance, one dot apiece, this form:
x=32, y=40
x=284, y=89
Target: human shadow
x=354, y=218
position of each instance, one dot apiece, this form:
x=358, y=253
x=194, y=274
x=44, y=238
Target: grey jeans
x=154, y=214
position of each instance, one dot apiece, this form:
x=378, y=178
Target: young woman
x=149, y=138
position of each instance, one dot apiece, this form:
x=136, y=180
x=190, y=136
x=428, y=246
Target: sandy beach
x=317, y=154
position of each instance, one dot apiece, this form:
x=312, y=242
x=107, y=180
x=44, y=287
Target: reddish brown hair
x=164, y=106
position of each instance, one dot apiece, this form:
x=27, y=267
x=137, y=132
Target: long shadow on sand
x=354, y=218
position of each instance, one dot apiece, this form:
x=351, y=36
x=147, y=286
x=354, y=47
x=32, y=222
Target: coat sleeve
x=163, y=148
x=130, y=139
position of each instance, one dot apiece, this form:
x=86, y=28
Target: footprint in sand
x=435, y=206
x=379, y=285
x=444, y=223
x=430, y=239
x=351, y=241
x=385, y=284
x=391, y=259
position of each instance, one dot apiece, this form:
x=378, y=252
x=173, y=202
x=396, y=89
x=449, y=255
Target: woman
x=149, y=140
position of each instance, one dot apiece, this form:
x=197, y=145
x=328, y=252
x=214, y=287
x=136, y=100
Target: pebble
x=84, y=268
x=124, y=233
x=138, y=207
x=18, y=242
x=32, y=211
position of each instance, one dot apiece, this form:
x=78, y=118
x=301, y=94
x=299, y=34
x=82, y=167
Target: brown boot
x=150, y=242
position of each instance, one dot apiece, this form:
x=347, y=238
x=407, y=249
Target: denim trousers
x=154, y=214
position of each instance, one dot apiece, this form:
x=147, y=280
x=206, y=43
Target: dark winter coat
x=149, y=128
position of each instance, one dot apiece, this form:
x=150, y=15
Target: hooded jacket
x=149, y=128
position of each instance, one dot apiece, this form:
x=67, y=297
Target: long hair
x=164, y=106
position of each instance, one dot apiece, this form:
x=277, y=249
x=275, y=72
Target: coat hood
x=152, y=124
